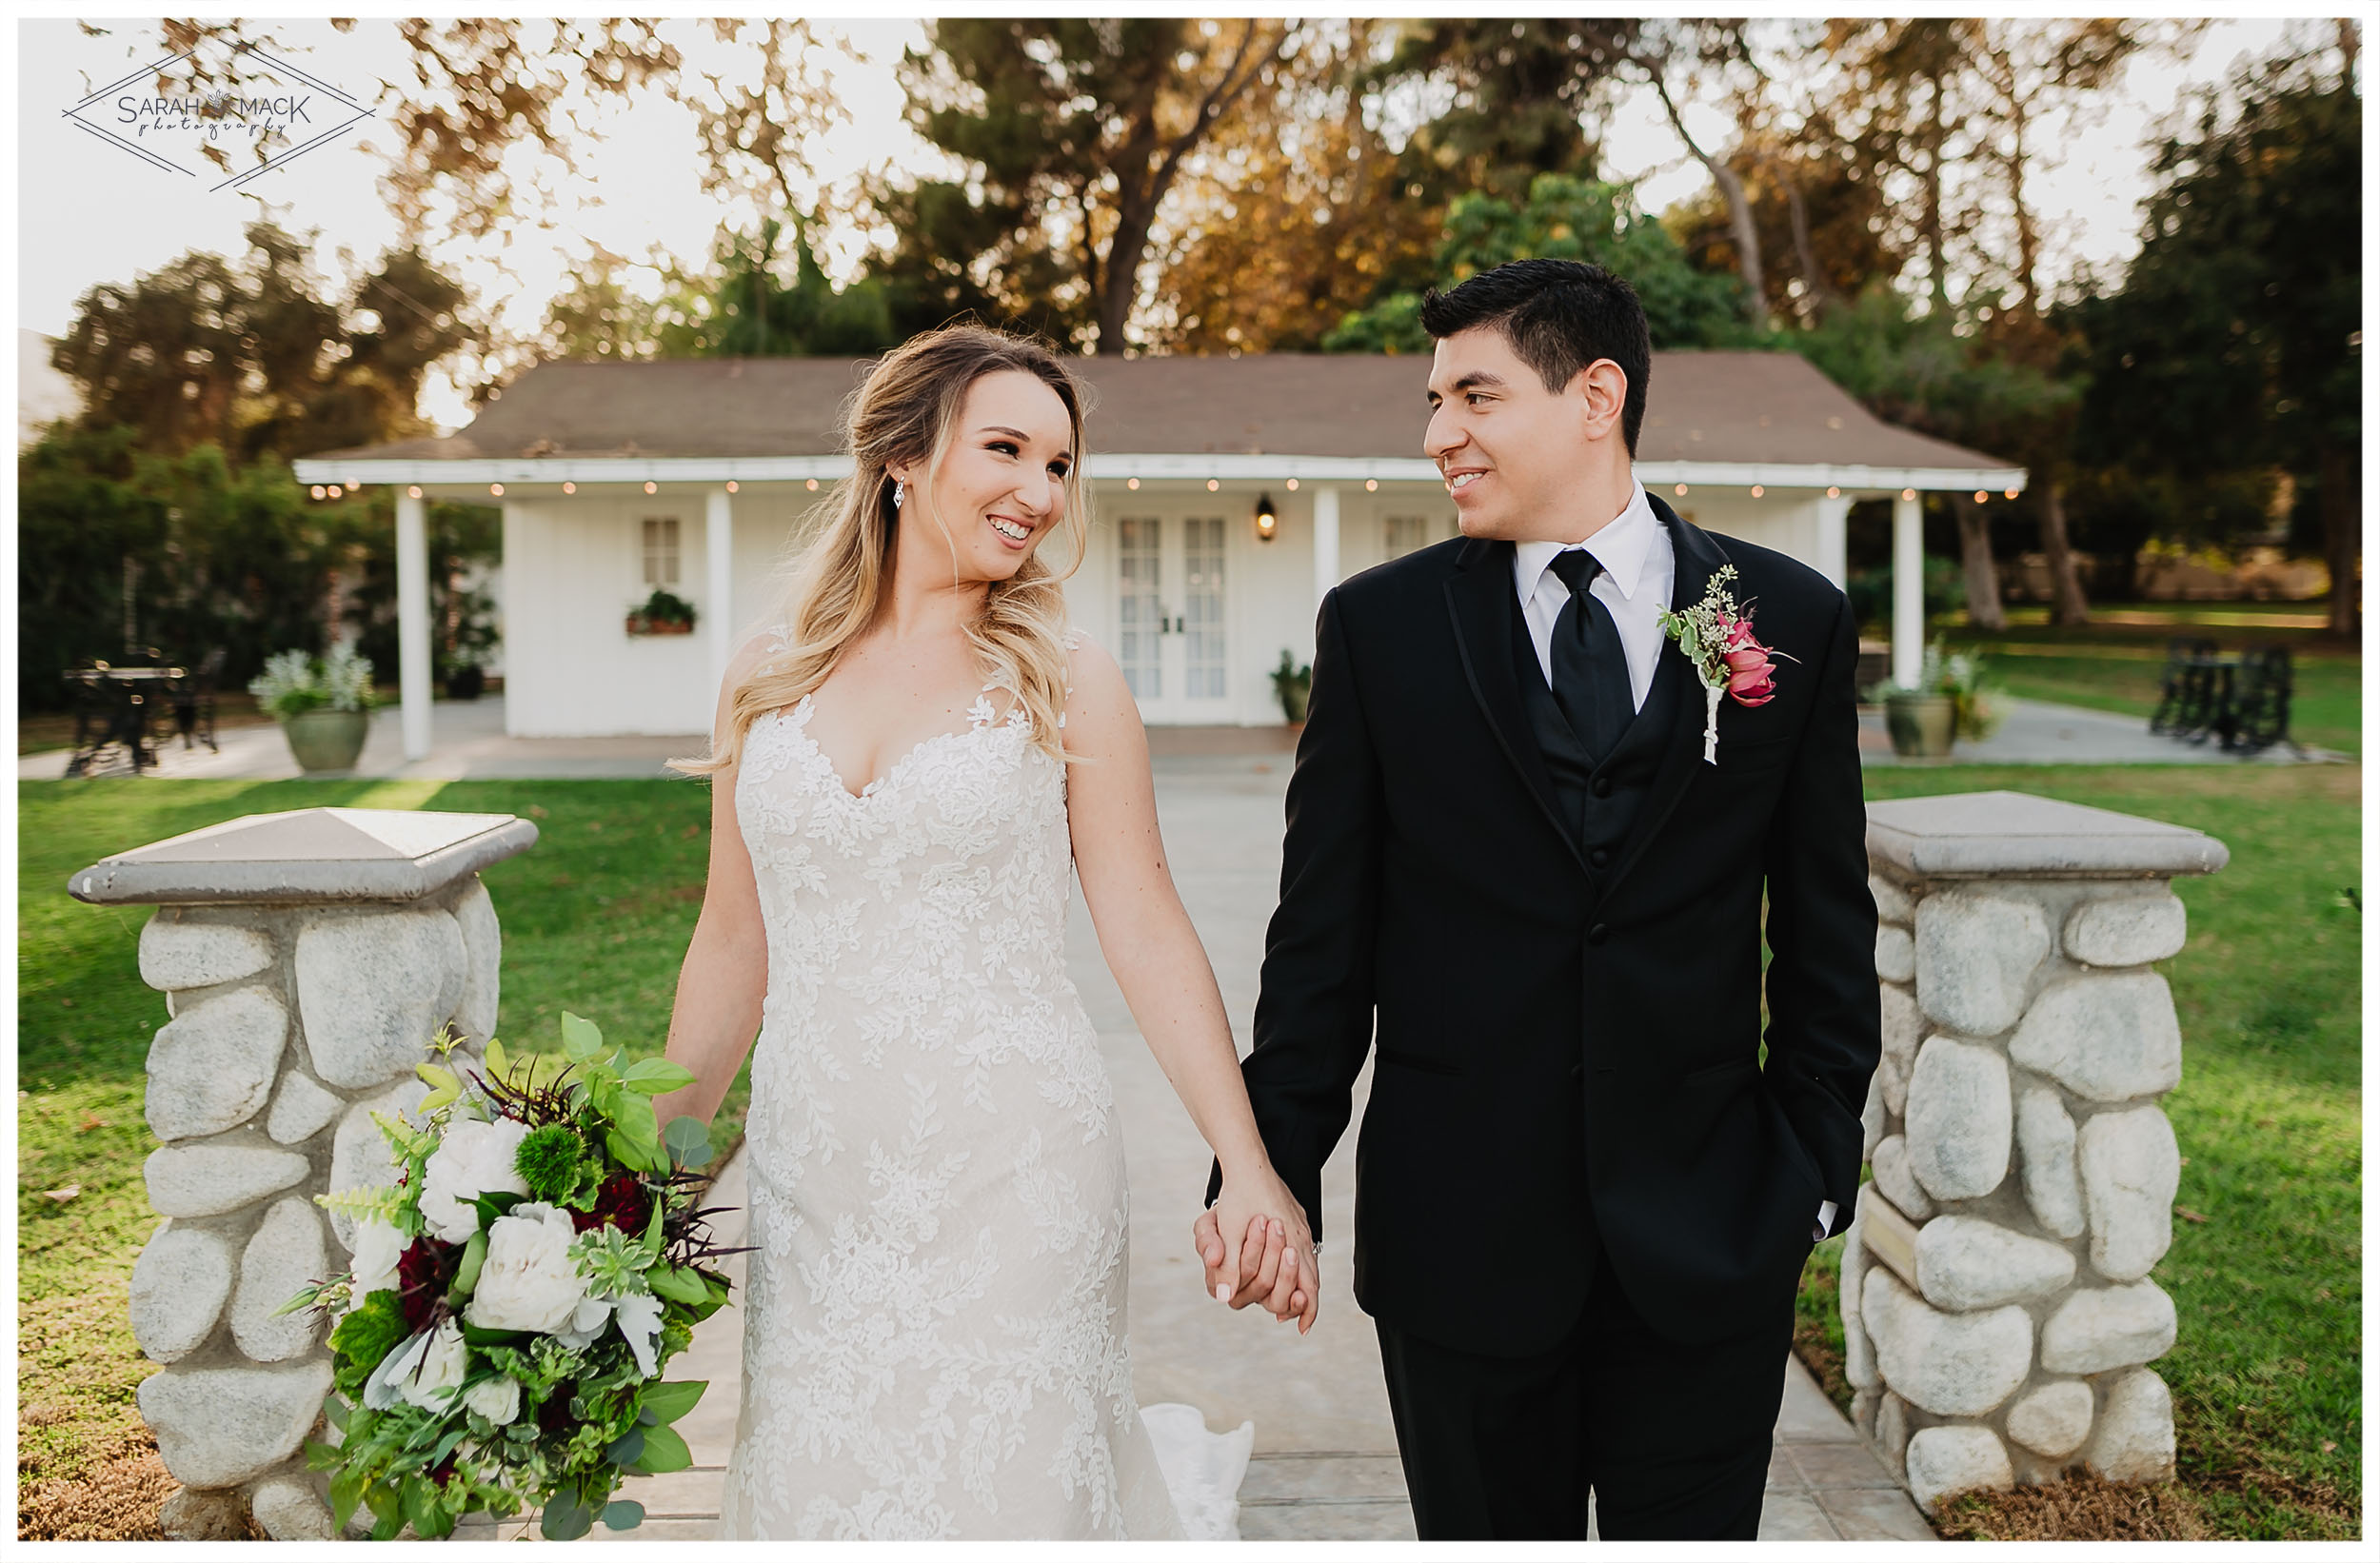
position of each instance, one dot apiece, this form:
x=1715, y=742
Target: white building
x=615, y=478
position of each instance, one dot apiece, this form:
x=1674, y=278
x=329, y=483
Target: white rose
x=377, y=1248
x=497, y=1399
x=432, y=1386
x=528, y=1282
x=639, y=1325
x=425, y=1369
x=473, y=1158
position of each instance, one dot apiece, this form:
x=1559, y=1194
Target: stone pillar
x=1997, y=1311
x=307, y=960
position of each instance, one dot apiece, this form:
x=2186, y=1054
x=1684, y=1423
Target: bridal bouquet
x=515, y=1294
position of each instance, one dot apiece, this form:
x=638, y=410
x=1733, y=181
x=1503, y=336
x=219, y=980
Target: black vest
x=1598, y=803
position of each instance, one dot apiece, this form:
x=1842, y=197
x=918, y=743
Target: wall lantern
x=1267, y=519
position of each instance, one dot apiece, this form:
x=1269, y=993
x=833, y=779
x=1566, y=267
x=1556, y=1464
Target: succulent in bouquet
x=515, y=1294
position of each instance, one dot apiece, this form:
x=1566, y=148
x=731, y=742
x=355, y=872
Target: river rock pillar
x=1998, y=1312
x=308, y=961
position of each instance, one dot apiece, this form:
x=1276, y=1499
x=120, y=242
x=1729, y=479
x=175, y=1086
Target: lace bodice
x=935, y=1329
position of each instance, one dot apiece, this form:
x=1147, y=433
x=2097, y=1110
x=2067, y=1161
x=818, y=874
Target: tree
x=2235, y=343
x=254, y=359
x=1295, y=211
x=1665, y=48
x=1563, y=219
x=740, y=308
x=1497, y=102
x=1073, y=133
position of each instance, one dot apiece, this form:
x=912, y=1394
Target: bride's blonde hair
x=907, y=410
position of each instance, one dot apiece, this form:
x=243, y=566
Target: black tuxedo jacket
x=1569, y=1053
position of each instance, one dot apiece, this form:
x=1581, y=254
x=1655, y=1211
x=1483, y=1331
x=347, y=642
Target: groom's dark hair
x=1559, y=317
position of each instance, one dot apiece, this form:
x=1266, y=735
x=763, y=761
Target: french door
x=1172, y=609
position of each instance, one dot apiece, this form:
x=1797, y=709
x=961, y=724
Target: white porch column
x=1832, y=561
x=413, y=623
x=719, y=538
x=1326, y=541
x=1909, y=600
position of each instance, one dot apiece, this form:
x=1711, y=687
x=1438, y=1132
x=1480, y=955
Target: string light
x=731, y=485
x=1133, y=484
x=1909, y=493
x=413, y=492
x=317, y=491
x=1756, y=491
x=1981, y=496
x=497, y=490
x=652, y=488
x=1834, y=493
x=811, y=486
x=1681, y=490
x=2012, y=493
x=569, y=488
x=1371, y=485
x=1293, y=486
x=1212, y=485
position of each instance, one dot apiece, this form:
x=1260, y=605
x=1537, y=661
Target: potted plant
x=1949, y=702
x=466, y=679
x=664, y=613
x=324, y=704
x=1294, y=685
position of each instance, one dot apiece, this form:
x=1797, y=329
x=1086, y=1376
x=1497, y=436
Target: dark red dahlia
x=425, y=1270
x=620, y=1203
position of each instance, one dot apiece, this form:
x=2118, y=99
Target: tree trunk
x=1815, y=295
x=2068, y=605
x=2342, y=538
x=1939, y=286
x=1731, y=191
x=1975, y=556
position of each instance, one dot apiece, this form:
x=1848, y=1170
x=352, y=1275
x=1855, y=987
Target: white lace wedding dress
x=934, y=1320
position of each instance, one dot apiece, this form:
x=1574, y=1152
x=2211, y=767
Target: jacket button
x=1602, y=786
x=1599, y=933
x=1599, y=857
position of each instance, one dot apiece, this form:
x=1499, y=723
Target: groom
x=1583, y=1192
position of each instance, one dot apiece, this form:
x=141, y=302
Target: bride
x=903, y=775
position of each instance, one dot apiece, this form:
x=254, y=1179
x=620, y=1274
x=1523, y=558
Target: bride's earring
x=900, y=493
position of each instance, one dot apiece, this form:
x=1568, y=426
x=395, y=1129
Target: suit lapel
x=1698, y=557
x=1481, y=599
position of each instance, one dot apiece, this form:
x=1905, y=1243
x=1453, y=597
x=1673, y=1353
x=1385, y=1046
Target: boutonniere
x=1715, y=636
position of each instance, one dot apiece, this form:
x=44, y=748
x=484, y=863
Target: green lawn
x=2113, y=664
x=596, y=920
x=2267, y=1374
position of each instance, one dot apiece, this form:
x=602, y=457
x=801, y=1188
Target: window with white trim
x=660, y=550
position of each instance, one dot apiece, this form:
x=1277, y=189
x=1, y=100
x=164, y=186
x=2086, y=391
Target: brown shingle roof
x=1710, y=406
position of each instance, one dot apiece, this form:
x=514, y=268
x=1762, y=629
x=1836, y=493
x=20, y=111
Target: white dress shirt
x=1638, y=576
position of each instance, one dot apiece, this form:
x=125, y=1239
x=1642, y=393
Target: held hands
x=1271, y=1259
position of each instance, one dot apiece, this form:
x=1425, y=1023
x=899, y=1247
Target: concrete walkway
x=2040, y=733
x=1325, y=1464
x=469, y=742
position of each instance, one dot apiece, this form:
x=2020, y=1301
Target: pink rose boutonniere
x=1715, y=636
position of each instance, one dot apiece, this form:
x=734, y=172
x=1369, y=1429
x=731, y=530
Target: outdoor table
x=128, y=717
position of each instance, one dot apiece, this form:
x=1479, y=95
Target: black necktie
x=1590, y=670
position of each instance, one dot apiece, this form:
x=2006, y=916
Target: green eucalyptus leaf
x=565, y=1519
x=628, y=1447
x=580, y=1040
x=624, y=1514
x=688, y=1140
x=664, y=1451
x=669, y=1400
x=652, y=1077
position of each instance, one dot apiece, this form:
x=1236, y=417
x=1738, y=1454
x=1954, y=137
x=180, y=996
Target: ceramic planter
x=327, y=741
x=1922, y=726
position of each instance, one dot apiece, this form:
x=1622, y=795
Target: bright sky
x=93, y=212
